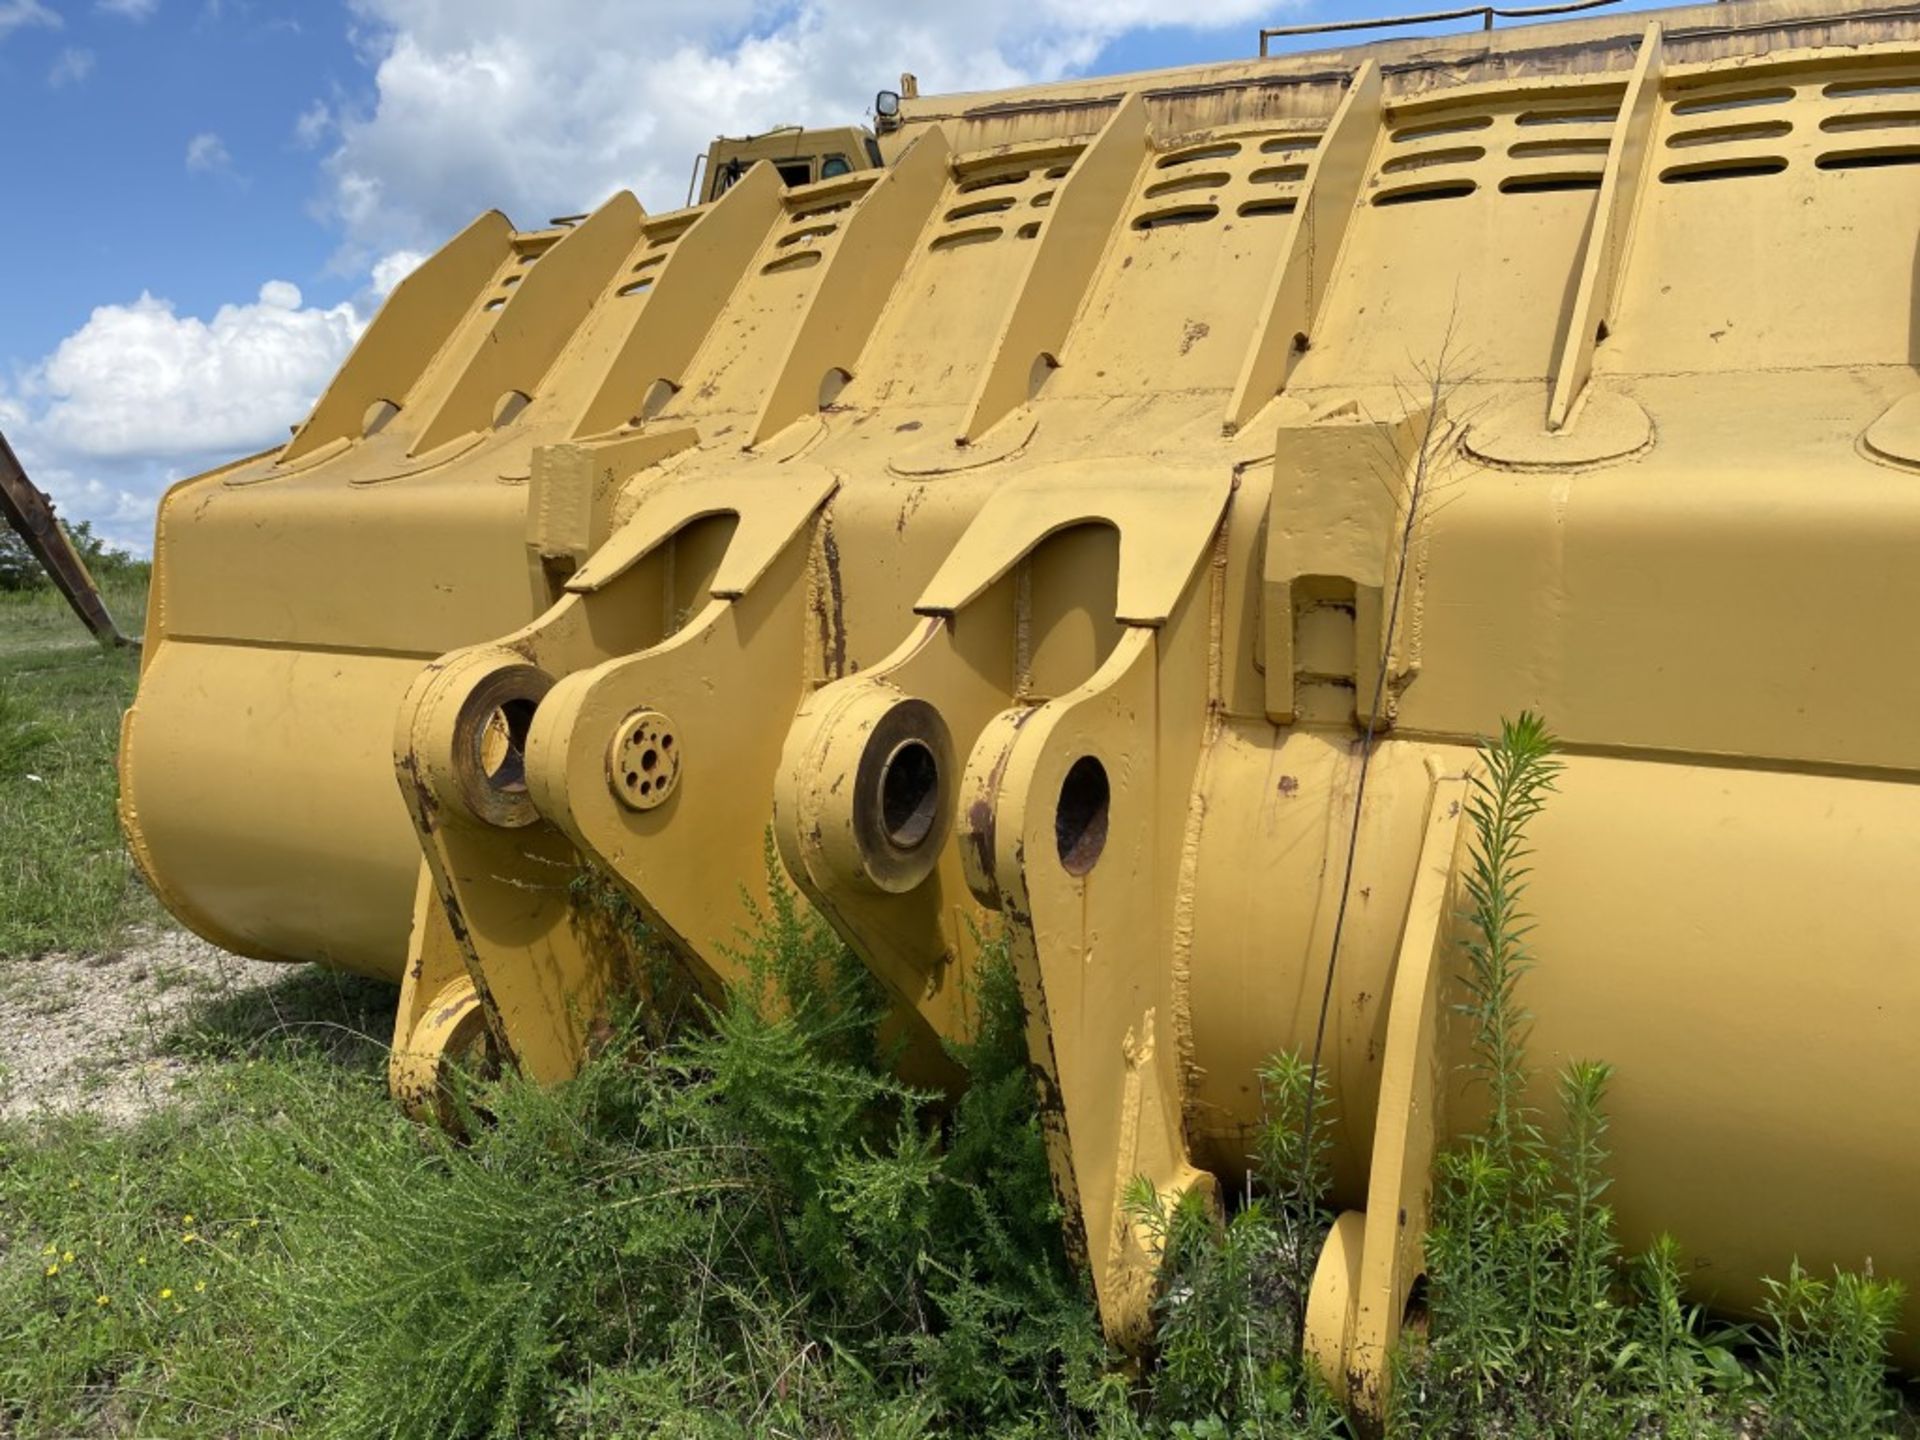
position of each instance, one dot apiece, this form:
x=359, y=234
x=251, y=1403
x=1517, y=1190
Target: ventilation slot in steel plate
x=1196, y=153
x=1556, y=149
x=1707, y=170
x=976, y=235
x=1729, y=134
x=1203, y=180
x=1548, y=184
x=1582, y=115
x=1175, y=215
x=1427, y=129
x=799, y=260
x=1875, y=85
x=1870, y=159
x=814, y=212
x=1430, y=190
x=1732, y=100
x=991, y=179
x=1872, y=120
x=1428, y=159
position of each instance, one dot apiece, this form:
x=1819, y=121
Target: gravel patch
x=117, y=1034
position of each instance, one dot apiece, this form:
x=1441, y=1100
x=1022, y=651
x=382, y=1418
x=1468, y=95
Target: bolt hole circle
x=1080, y=818
x=910, y=794
x=643, y=766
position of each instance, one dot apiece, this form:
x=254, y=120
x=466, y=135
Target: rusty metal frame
x=30, y=512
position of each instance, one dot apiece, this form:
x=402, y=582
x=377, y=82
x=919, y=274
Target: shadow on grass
x=343, y=1020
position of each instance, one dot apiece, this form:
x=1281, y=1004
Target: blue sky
x=109, y=203
x=212, y=194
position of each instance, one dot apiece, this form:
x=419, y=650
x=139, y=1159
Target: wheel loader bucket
x=1044, y=534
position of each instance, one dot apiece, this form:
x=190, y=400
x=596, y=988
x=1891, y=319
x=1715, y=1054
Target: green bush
x=20, y=569
x=1826, y=1367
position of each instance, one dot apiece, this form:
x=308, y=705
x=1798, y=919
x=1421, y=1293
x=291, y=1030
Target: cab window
x=835, y=165
x=795, y=172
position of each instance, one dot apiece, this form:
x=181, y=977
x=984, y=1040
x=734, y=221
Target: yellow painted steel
x=1021, y=532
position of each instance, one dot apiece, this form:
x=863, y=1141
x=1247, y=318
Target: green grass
x=745, y=1227
x=65, y=880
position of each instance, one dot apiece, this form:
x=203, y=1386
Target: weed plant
x=1227, y=1363
x=1535, y=1327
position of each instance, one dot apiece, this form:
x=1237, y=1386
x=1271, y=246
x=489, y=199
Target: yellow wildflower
x=166, y=1294
x=188, y=1238
x=186, y=1219
x=102, y=1301
x=139, y=1259
x=199, y=1287
x=67, y=1259
x=49, y=1249
x=73, y=1184
x=52, y=1270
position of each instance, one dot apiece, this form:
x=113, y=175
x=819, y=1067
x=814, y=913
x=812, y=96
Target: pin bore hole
x=909, y=794
x=504, y=745
x=1080, y=819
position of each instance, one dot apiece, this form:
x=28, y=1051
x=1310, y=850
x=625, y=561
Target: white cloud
x=72, y=66
x=140, y=380
x=129, y=9
x=207, y=152
x=141, y=395
x=20, y=14
x=390, y=269
x=548, y=109
x=312, y=126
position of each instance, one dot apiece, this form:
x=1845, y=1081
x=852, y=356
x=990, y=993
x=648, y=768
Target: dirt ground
x=116, y=1034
